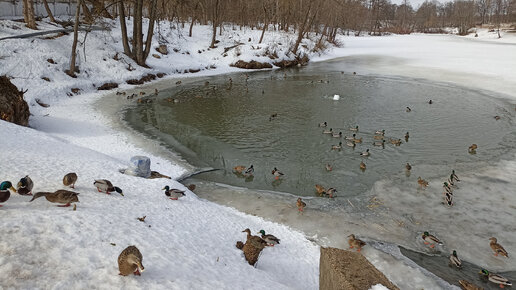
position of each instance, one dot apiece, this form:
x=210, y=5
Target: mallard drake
x=448, y=198
x=378, y=137
x=472, y=148
x=497, y=248
x=256, y=241
x=70, y=179
x=495, y=278
x=454, y=177
x=270, y=239
x=422, y=183
x=324, y=124
x=337, y=135
x=337, y=147
x=380, y=132
x=239, y=168
x=300, y=204
x=408, y=109
x=328, y=167
x=350, y=138
x=382, y=143
x=130, y=261
x=351, y=144
x=355, y=243
x=320, y=190
x=60, y=196
x=365, y=153
x=277, y=174
x=357, y=140
x=331, y=192
x=406, y=136
x=454, y=260
x=355, y=129
x=362, y=166
x=104, y=185
x=429, y=239
x=447, y=188
x=5, y=192
x=25, y=185
x=173, y=193
x=469, y=286
x=330, y=131
x=430, y=102
x=408, y=166
x=249, y=171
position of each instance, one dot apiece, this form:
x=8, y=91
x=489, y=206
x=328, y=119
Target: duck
x=396, y=142
x=25, y=185
x=447, y=188
x=5, y=192
x=239, y=168
x=324, y=124
x=337, y=147
x=249, y=171
x=60, y=196
x=270, y=239
x=408, y=166
x=277, y=174
x=173, y=193
x=70, y=179
x=408, y=109
x=468, y=285
x=350, y=138
x=331, y=192
x=382, y=143
x=357, y=140
x=497, y=118
x=337, y=135
x=320, y=190
x=328, y=167
x=355, y=129
x=330, y=131
x=495, y=278
x=351, y=144
x=106, y=185
x=365, y=153
x=378, y=137
x=454, y=177
x=454, y=260
x=355, y=243
x=406, y=136
x=448, y=199
x=422, y=183
x=256, y=241
x=472, y=148
x=497, y=248
x=362, y=166
x=429, y=239
x=130, y=261
x=300, y=205
x=378, y=132
x=430, y=102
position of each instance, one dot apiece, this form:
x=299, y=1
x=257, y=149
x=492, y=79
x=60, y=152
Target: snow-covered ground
x=190, y=243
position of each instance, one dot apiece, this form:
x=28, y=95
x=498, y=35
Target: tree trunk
x=49, y=12
x=263, y=31
x=71, y=71
x=123, y=27
x=213, y=36
x=150, y=31
x=86, y=12
x=191, y=27
x=28, y=14
x=137, y=27
x=301, y=29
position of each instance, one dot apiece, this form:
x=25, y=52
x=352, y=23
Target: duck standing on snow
x=429, y=239
x=173, y=193
x=355, y=243
x=495, y=278
x=25, y=186
x=270, y=239
x=256, y=241
x=277, y=174
x=70, y=179
x=60, y=196
x=5, y=192
x=454, y=260
x=249, y=171
x=104, y=185
x=300, y=205
x=130, y=261
x=497, y=248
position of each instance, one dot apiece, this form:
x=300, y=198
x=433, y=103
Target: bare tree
x=28, y=14
x=73, y=68
x=49, y=12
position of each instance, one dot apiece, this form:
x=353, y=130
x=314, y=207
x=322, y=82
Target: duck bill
x=13, y=189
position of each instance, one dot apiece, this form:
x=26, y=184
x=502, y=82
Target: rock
x=251, y=65
x=160, y=75
x=134, y=82
x=341, y=269
x=13, y=107
x=162, y=48
x=156, y=55
x=51, y=61
x=108, y=86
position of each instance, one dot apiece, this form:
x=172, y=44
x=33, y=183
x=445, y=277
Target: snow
x=378, y=287
x=190, y=243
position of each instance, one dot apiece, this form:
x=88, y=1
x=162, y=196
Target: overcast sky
x=415, y=3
